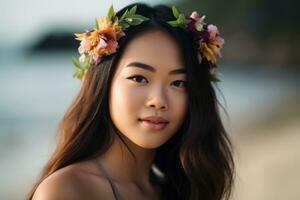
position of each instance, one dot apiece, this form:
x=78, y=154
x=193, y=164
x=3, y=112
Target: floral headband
x=103, y=40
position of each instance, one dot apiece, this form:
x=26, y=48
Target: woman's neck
x=123, y=167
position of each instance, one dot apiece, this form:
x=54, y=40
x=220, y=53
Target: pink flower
x=213, y=30
x=207, y=37
x=112, y=45
x=195, y=16
x=214, y=34
x=96, y=58
x=102, y=43
x=215, y=38
x=85, y=46
x=196, y=22
x=103, y=48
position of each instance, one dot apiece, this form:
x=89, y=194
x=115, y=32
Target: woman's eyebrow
x=152, y=69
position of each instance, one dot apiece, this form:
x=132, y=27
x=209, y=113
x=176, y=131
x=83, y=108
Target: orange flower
x=211, y=48
x=100, y=42
x=209, y=52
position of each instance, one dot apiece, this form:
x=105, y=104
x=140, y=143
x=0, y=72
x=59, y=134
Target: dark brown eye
x=137, y=78
x=180, y=84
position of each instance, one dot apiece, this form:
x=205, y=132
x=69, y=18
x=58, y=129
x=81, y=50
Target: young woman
x=145, y=124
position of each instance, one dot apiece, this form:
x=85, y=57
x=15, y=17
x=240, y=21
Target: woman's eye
x=181, y=84
x=138, y=79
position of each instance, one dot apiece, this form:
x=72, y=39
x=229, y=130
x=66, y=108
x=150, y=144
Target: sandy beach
x=267, y=155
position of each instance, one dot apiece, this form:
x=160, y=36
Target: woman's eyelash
x=136, y=77
x=179, y=81
x=139, y=78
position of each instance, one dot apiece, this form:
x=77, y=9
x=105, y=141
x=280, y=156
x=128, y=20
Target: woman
x=145, y=124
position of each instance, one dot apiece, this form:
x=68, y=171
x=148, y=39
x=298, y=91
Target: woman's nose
x=158, y=99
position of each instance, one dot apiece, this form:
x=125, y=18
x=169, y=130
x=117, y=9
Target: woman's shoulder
x=76, y=181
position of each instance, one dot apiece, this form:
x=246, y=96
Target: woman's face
x=150, y=81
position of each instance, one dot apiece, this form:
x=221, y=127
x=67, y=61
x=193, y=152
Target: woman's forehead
x=155, y=48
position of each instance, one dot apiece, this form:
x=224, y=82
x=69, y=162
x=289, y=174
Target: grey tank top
x=114, y=188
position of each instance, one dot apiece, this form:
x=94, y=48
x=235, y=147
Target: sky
x=23, y=21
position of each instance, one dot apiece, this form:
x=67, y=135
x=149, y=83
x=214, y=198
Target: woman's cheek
x=132, y=95
x=180, y=105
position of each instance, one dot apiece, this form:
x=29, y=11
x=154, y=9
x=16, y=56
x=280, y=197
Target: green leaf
x=124, y=15
x=75, y=74
x=110, y=13
x=175, y=12
x=87, y=66
x=181, y=18
x=134, y=21
x=199, y=27
x=173, y=23
x=78, y=74
x=132, y=11
x=128, y=19
x=97, y=25
x=124, y=24
x=114, y=18
x=181, y=21
x=141, y=17
x=76, y=63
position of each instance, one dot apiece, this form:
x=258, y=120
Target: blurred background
x=260, y=87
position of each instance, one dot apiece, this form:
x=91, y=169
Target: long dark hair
x=197, y=161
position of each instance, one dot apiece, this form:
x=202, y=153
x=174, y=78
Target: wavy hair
x=197, y=161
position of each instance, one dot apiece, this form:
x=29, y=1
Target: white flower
x=82, y=58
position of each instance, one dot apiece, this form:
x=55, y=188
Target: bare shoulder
x=74, y=182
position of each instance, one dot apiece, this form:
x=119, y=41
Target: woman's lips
x=153, y=125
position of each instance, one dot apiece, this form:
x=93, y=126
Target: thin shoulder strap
x=113, y=186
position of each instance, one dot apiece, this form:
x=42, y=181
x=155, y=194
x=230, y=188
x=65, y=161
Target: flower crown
x=103, y=40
